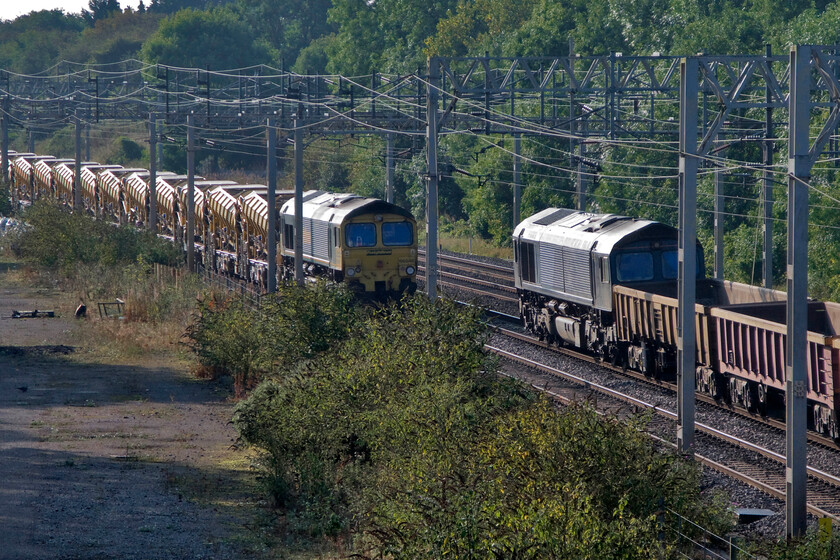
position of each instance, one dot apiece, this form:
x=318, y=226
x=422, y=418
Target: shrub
x=403, y=439
x=225, y=338
x=124, y=150
x=59, y=239
x=814, y=546
x=295, y=324
x=5, y=202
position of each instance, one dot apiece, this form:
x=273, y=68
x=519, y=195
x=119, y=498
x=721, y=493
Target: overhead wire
x=521, y=125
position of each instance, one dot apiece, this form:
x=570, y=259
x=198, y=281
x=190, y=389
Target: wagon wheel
x=819, y=425
x=834, y=428
x=716, y=387
x=762, y=398
x=751, y=397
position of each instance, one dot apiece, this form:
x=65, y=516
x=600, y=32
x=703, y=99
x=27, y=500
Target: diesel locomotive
x=365, y=242
x=607, y=285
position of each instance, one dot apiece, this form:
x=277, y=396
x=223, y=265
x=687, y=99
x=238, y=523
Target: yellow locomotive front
x=366, y=242
x=379, y=253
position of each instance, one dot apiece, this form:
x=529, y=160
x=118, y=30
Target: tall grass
x=92, y=262
x=156, y=311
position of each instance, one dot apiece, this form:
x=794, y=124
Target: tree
x=113, y=39
x=383, y=36
x=289, y=26
x=217, y=39
x=100, y=9
x=37, y=40
x=478, y=26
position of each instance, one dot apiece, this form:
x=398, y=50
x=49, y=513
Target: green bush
x=231, y=338
x=124, y=151
x=5, y=202
x=58, y=239
x=404, y=440
x=225, y=338
x=813, y=546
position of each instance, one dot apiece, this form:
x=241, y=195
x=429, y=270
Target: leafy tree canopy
x=100, y=9
x=216, y=39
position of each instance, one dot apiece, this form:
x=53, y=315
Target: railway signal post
x=299, y=195
x=517, y=178
x=5, y=155
x=432, y=178
x=389, y=168
x=767, y=160
x=152, y=172
x=4, y=140
x=77, y=169
x=190, y=234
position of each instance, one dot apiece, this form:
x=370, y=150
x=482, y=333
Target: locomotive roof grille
x=554, y=216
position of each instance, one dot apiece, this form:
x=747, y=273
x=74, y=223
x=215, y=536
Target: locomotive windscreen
x=397, y=234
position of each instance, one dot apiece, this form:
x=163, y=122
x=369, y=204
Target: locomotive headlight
x=351, y=271
x=409, y=270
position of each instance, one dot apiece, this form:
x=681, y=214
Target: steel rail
x=771, y=422
x=702, y=428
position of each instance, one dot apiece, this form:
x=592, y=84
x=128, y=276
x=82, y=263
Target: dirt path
x=103, y=461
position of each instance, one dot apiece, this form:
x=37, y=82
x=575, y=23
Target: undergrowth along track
x=754, y=465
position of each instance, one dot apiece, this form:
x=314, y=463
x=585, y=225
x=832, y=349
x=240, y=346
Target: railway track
x=503, y=274
x=492, y=293
x=744, y=461
x=479, y=278
x=701, y=397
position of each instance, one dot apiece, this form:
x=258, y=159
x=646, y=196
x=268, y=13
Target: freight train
x=366, y=243
x=607, y=285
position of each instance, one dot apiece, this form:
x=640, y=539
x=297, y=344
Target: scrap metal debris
x=34, y=314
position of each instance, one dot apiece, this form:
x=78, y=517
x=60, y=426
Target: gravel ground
x=102, y=461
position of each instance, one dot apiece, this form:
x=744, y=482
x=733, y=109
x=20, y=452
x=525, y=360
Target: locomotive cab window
x=360, y=235
x=397, y=234
x=634, y=267
x=289, y=236
x=605, y=270
x=670, y=265
x=528, y=263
